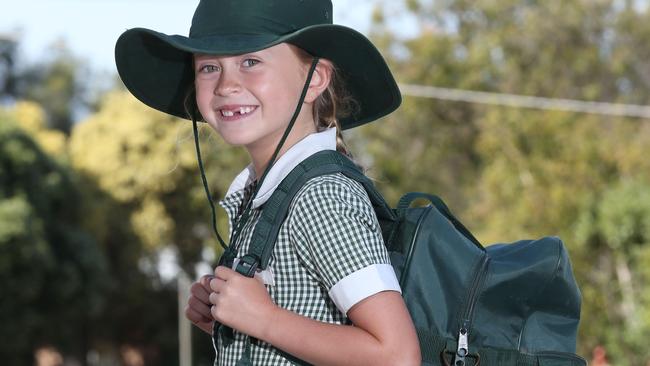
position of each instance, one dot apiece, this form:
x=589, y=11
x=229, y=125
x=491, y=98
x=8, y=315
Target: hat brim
x=157, y=68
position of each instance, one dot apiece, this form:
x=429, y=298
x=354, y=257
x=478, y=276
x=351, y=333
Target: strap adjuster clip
x=247, y=265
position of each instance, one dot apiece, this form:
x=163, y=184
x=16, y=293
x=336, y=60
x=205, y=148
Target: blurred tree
x=512, y=173
x=435, y=139
x=145, y=197
x=52, y=275
x=146, y=161
x=32, y=119
x=517, y=173
x=616, y=228
x=8, y=47
x=58, y=83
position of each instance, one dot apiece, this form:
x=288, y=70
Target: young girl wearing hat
x=278, y=78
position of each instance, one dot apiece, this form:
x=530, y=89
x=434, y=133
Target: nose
x=229, y=83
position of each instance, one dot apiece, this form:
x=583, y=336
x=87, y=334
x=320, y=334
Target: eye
x=209, y=68
x=250, y=62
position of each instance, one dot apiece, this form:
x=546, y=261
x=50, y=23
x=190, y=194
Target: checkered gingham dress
x=330, y=232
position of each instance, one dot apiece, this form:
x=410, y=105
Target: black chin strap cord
x=205, y=181
x=246, y=212
x=247, y=209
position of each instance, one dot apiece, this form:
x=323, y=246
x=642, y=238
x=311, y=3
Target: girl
x=279, y=79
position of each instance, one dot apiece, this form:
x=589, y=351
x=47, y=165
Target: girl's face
x=250, y=98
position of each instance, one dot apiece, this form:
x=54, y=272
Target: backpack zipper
x=462, y=350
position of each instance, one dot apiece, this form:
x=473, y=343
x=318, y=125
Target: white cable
x=523, y=101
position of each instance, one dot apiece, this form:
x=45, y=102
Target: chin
x=236, y=139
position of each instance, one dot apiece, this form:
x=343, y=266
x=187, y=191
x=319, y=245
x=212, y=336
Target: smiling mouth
x=239, y=111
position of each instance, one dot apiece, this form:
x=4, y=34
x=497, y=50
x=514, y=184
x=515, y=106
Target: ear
x=320, y=80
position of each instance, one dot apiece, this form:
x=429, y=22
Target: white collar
x=303, y=149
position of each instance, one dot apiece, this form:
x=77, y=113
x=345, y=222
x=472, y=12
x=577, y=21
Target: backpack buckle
x=247, y=265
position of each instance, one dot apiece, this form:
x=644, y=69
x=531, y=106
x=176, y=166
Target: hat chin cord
x=247, y=209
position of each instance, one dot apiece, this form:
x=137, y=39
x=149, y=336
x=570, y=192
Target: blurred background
x=530, y=118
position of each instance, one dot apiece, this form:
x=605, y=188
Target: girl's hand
x=198, y=305
x=240, y=302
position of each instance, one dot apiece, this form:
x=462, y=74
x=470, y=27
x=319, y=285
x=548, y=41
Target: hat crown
x=228, y=17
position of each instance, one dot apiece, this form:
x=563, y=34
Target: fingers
x=198, y=304
x=224, y=273
x=200, y=308
x=196, y=316
x=213, y=298
x=201, y=290
x=205, y=281
x=206, y=327
x=205, y=295
x=200, y=320
x=217, y=286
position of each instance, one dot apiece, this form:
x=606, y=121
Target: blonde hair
x=334, y=102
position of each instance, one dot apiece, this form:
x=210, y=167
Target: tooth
x=227, y=113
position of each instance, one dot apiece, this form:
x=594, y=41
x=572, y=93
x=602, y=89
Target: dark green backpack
x=507, y=304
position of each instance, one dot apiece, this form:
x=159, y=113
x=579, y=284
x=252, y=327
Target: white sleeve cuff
x=363, y=283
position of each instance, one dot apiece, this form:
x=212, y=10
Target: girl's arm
x=382, y=334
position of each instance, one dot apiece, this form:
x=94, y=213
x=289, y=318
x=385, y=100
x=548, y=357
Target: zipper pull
x=463, y=347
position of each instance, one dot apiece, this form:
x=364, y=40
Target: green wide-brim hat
x=157, y=68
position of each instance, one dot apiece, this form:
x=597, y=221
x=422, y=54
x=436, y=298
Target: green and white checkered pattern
x=330, y=232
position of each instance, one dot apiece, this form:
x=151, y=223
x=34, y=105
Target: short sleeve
x=337, y=236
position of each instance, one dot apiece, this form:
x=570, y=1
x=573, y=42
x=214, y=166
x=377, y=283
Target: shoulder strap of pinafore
x=276, y=208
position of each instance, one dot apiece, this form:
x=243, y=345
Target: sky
x=91, y=27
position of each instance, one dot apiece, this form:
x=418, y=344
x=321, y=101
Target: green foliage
x=83, y=220
x=615, y=231
x=427, y=134
x=52, y=274
x=517, y=173
x=144, y=194
x=146, y=162
x=57, y=83
x=7, y=65
x=623, y=215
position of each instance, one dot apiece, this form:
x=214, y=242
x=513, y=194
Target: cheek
x=203, y=97
x=282, y=91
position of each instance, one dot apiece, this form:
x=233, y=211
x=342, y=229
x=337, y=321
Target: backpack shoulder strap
x=276, y=208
